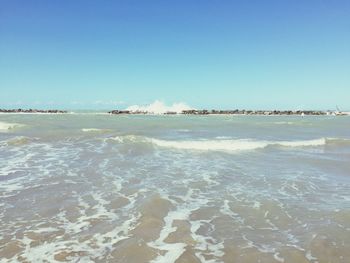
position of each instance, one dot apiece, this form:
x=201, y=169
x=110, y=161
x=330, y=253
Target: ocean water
x=104, y=188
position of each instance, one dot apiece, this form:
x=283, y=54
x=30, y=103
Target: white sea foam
x=6, y=127
x=204, y=245
x=159, y=107
x=174, y=250
x=128, y=138
x=90, y=249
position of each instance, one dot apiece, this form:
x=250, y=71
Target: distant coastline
x=31, y=111
x=195, y=112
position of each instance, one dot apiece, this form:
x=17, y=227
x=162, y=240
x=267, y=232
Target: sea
x=94, y=187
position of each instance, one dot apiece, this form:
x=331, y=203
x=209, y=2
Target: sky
x=85, y=54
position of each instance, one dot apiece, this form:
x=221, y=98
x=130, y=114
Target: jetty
x=231, y=112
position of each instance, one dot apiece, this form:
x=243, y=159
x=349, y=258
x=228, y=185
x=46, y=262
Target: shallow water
x=103, y=188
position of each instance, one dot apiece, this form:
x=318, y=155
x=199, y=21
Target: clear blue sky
x=212, y=54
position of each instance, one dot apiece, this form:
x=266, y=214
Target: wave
x=17, y=141
x=287, y=123
x=208, y=145
x=159, y=107
x=227, y=145
x=234, y=145
x=338, y=141
x=95, y=130
x=6, y=126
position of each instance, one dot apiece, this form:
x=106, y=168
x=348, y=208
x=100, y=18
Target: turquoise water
x=137, y=188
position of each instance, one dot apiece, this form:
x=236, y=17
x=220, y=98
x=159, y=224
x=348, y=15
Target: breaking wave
x=95, y=130
x=234, y=145
x=159, y=107
x=226, y=145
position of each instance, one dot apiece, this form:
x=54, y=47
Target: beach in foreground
x=139, y=188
